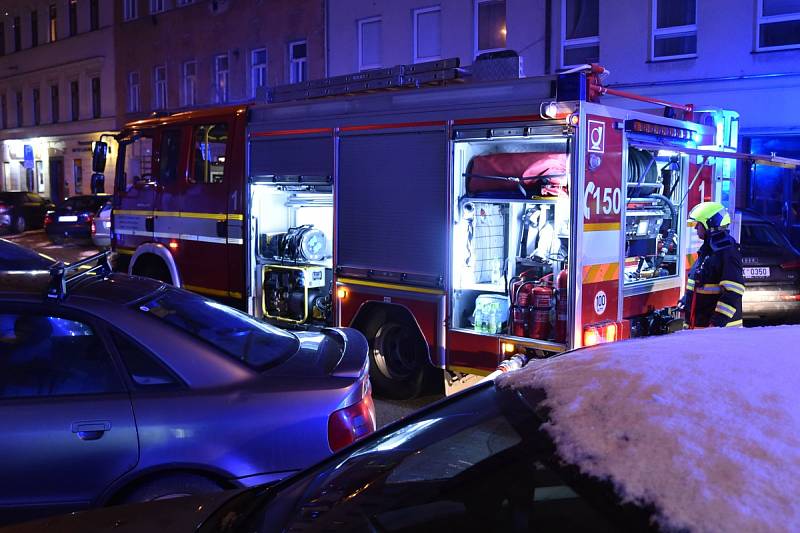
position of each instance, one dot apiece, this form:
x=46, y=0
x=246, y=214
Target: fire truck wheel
x=398, y=360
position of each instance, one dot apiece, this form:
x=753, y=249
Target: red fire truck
x=454, y=225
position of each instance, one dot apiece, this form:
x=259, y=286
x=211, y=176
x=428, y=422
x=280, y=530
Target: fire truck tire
x=398, y=360
x=152, y=268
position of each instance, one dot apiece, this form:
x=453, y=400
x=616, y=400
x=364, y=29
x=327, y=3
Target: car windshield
x=468, y=465
x=258, y=345
x=83, y=203
x=15, y=257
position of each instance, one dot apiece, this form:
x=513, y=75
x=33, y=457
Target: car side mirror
x=99, y=156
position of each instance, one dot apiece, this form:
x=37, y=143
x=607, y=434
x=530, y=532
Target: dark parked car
x=124, y=389
x=74, y=217
x=14, y=257
x=656, y=433
x=21, y=211
x=771, y=271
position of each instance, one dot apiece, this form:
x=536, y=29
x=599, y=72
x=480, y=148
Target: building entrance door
x=56, y=171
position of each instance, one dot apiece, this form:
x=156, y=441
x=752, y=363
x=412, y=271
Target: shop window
x=580, y=32
x=778, y=24
x=674, y=30
x=490, y=25
x=210, y=144
x=369, y=43
x=428, y=34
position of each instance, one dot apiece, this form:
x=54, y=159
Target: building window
x=160, y=87
x=221, y=77
x=185, y=2
x=258, y=70
x=53, y=29
x=37, y=114
x=190, y=83
x=75, y=100
x=19, y=109
x=96, y=100
x=4, y=111
x=133, y=92
x=17, y=35
x=34, y=28
x=130, y=10
x=674, y=29
x=298, y=66
x=77, y=175
x=73, y=18
x=94, y=15
x=2, y=39
x=778, y=24
x=156, y=6
x=369, y=43
x=427, y=34
x=55, y=105
x=490, y=25
x=580, y=32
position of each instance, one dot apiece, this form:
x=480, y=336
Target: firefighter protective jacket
x=715, y=286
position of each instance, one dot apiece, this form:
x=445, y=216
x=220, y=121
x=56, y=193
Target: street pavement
x=387, y=411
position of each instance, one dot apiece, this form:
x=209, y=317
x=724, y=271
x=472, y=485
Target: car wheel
x=19, y=224
x=398, y=360
x=171, y=486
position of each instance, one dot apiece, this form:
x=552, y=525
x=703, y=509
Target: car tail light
x=791, y=265
x=48, y=219
x=94, y=228
x=347, y=425
x=600, y=333
x=3, y=208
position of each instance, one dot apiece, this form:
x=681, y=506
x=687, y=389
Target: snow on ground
x=703, y=424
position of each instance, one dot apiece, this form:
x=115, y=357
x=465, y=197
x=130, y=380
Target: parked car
x=74, y=217
x=21, y=210
x=124, y=389
x=101, y=227
x=14, y=257
x=692, y=431
x=771, y=271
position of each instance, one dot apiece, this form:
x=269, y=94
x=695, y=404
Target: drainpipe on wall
x=548, y=34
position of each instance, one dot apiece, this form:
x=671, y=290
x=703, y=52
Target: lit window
x=298, y=67
x=160, y=87
x=156, y=6
x=258, y=70
x=131, y=10
x=221, y=74
x=778, y=24
x=490, y=25
x=133, y=92
x=428, y=34
x=580, y=33
x=674, y=29
x=53, y=28
x=190, y=83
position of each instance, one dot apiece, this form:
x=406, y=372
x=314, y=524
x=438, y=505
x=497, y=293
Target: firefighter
x=715, y=286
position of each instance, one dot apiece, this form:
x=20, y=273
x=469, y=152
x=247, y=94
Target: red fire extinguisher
x=542, y=302
x=562, y=304
x=520, y=307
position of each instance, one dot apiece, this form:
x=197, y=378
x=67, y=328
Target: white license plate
x=68, y=218
x=106, y=224
x=756, y=272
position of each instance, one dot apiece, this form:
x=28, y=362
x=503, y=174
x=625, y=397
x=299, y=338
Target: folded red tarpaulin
x=519, y=173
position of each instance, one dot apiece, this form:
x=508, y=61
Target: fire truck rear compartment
x=511, y=237
x=293, y=224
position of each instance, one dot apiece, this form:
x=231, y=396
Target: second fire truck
x=454, y=225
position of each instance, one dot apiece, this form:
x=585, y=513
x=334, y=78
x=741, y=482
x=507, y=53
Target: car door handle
x=149, y=224
x=222, y=228
x=91, y=429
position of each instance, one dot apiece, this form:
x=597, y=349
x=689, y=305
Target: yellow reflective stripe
x=690, y=284
x=179, y=214
x=132, y=212
x=212, y=292
x=725, y=309
x=708, y=289
x=733, y=324
x=732, y=286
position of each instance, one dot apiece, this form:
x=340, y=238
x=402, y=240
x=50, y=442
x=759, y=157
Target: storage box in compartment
x=481, y=312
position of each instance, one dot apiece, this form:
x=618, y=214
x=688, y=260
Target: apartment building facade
x=742, y=55
x=56, y=92
x=183, y=54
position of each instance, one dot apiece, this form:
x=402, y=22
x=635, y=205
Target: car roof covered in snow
x=703, y=425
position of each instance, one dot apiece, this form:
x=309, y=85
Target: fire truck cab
x=454, y=225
